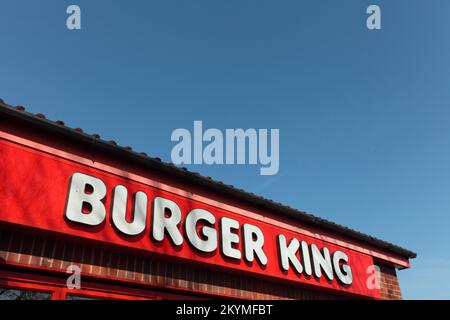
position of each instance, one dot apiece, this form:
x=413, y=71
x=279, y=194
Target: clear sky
x=364, y=116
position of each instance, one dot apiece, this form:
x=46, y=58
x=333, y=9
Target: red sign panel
x=47, y=192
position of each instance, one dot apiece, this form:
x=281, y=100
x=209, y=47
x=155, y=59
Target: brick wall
x=390, y=287
x=22, y=249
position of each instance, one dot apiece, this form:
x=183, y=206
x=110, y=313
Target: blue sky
x=364, y=116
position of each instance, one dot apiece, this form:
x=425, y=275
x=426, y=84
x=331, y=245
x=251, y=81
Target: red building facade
x=139, y=228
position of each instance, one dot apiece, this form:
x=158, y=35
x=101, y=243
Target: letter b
x=81, y=198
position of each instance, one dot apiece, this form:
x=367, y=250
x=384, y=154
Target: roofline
x=94, y=141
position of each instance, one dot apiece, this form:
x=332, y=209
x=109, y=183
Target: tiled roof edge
x=306, y=218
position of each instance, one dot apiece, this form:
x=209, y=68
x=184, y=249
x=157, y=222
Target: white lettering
x=119, y=211
x=192, y=219
x=161, y=223
x=229, y=238
x=254, y=243
x=85, y=204
x=322, y=261
x=288, y=254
